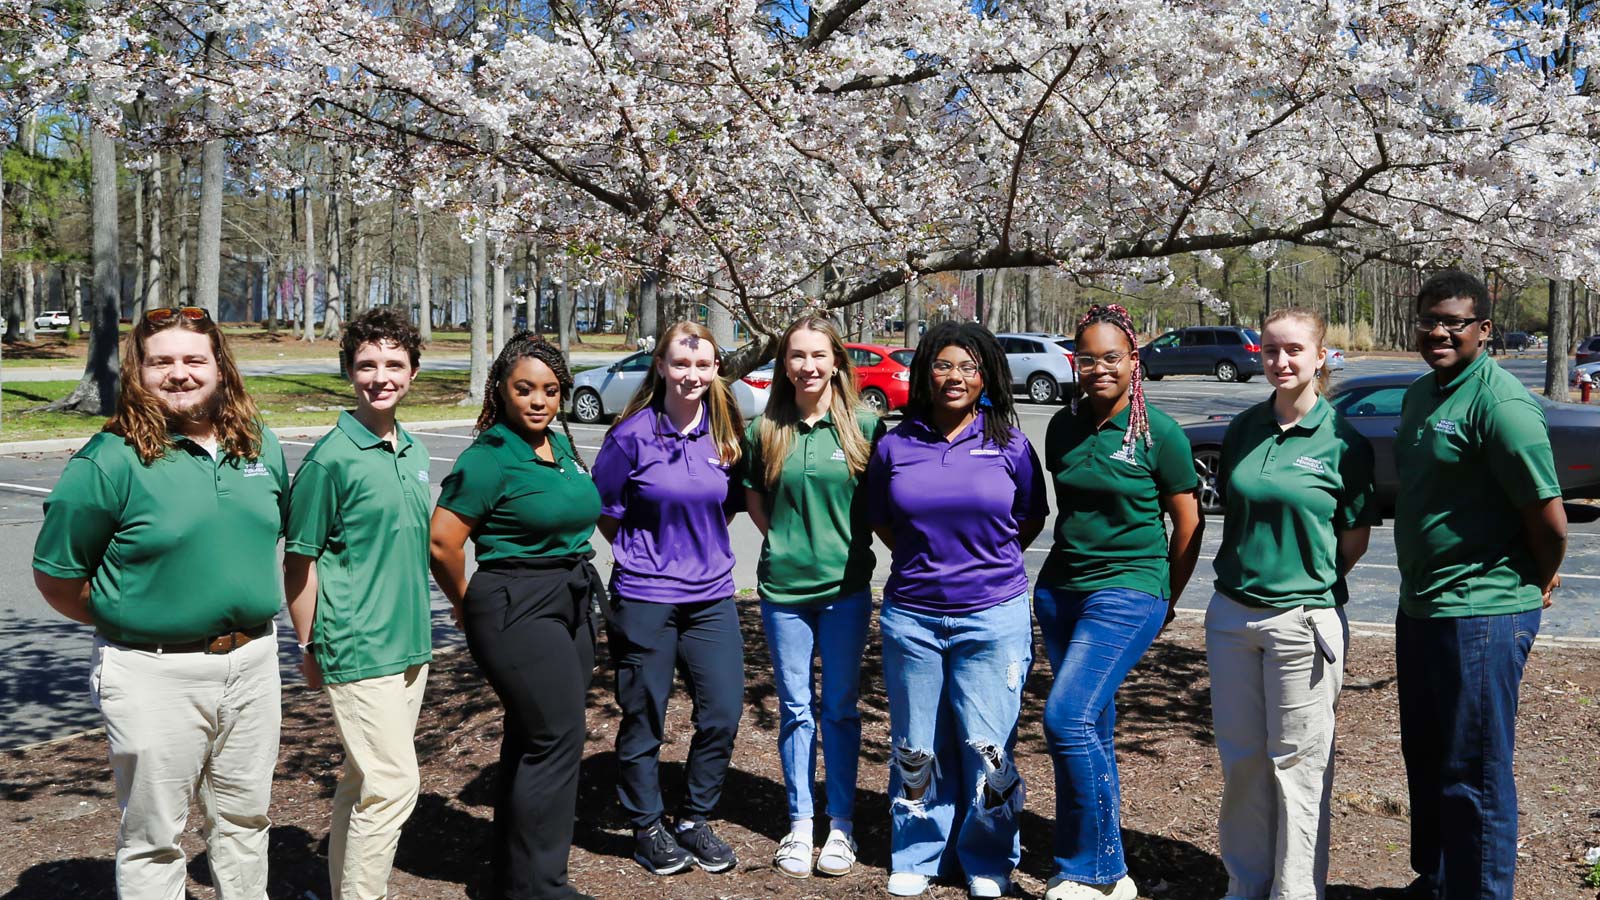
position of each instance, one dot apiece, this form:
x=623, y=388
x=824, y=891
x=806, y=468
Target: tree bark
x=308, y=309
x=208, y=246
x=1560, y=345
x=424, y=277
x=478, y=316
x=96, y=393
x=650, y=305
x=911, y=303
x=337, y=277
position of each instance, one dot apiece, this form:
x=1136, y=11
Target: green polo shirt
x=181, y=549
x=1288, y=492
x=525, y=507
x=818, y=545
x=359, y=507
x=1109, y=530
x=1471, y=454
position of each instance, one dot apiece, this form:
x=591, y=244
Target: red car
x=883, y=375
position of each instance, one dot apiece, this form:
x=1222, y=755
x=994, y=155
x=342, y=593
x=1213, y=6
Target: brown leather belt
x=216, y=644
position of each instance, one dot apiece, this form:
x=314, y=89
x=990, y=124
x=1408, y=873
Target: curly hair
x=1138, y=414
x=526, y=345
x=379, y=325
x=1001, y=416
x=143, y=420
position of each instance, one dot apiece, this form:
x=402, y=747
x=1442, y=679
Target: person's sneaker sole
x=714, y=869
x=669, y=870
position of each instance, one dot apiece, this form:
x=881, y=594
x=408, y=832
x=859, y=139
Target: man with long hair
x=162, y=534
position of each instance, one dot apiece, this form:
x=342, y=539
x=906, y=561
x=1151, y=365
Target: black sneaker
x=656, y=850
x=711, y=852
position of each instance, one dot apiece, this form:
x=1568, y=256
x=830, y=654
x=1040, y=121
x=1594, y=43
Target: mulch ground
x=59, y=819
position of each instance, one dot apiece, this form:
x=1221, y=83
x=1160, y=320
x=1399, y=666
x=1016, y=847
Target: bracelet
x=306, y=646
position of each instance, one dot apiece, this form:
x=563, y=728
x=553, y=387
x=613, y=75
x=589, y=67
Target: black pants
x=647, y=640
x=536, y=648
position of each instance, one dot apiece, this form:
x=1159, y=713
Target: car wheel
x=877, y=400
x=1206, y=462
x=1243, y=377
x=1148, y=375
x=586, y=407
x=1227, y=371
x=1041, y=388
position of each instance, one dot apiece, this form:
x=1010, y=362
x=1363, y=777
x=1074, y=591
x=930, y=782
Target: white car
x=751, y=391
x=54, y=318
x=1590, y=369
x=1335, y=359
x=602, y=392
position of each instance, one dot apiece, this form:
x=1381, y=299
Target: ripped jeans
x=954, y=685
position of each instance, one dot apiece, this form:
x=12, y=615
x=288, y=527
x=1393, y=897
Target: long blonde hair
x=1319, y=330
x=725, y=424
x=141, y=418
x=783, y=411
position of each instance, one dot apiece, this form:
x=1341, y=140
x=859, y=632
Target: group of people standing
x=185, y=487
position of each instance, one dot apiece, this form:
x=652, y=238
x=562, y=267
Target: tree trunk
x=911, y=303
x=308, y=308
x=424, y=277
x=478, y=315
x=337, y=277
x=566, y=308
x=72, y=298
x=499, y=321
x=181, y=224
x=96, y=393
x=1555, y=358
x=649, y=305
x=30, y=309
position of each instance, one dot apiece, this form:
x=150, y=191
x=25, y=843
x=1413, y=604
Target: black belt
x=216, y=644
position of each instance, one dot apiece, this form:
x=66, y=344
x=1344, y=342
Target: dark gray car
x=1228, y=352
x=1372, y=405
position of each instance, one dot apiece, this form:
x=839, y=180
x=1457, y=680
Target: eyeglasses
x=168, y=313
x=944, y=367
x=1086, y=362
x=1425, y=324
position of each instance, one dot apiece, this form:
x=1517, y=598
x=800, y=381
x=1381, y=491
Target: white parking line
x=24, y=487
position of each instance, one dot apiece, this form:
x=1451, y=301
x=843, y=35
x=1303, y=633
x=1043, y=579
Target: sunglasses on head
x=168, y=313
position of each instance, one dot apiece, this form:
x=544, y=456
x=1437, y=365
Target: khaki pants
x=377, y=720
x=178, y=722
x=1272, y=704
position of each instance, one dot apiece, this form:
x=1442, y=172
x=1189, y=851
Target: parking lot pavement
x=43, y=688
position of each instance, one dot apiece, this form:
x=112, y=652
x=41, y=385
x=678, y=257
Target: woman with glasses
x=956, y=493
x=1107, y=589
x=1296, y=485
x=807, y=454
x=669, y=480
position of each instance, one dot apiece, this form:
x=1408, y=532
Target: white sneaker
x=982, y=886
x=1064, y=889
x=838, y=855
x=794, y=856
x=907, y=884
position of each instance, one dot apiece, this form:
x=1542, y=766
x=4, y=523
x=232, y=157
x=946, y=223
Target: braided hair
x=1118, y=318
x=526, y=345
x=1000, y=414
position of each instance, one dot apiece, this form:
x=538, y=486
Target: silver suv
x=1042, y=365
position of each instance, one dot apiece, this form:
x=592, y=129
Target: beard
x=200, y=416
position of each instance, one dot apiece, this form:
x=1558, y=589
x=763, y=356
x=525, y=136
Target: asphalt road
x=43, y=687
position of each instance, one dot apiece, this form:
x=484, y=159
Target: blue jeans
x=954, y=685
x=1458, y=680
x=1093, y=639
x=836, y=633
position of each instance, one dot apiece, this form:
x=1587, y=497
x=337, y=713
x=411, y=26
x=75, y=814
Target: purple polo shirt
x=954, y=508
x=672, y=495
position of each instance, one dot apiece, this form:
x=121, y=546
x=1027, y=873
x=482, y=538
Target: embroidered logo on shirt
x=1310, y=464
x=422, y=475
x=1445, y=426
x=717, y=461
x=985, y=451
x=838, y=455
x=254, y=469
x=1125, y=454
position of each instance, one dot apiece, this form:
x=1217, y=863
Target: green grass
x=284, y=400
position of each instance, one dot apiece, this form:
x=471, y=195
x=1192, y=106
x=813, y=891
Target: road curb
x=56, y=445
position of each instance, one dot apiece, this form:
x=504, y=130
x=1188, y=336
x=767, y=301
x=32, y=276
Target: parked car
x=1588, y=350
x=1042, y=365
x=1372, y=405
x=883, y=381
x=1335, y=359
x=1228, y=352
x=751, y=391
x=1517, y=340
x=54, y=318
x=1591, y=369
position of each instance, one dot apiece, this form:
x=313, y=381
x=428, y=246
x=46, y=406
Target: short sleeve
x=1358, y=504
x=1174, y=462
x=80, y=518
x=738, y=475
x=473, y=486
x=272, y=458
x=1517, y=447
x=1227, y=457
x=878, y=430
x=875, y=486
x=1056, y=435
x=753, y=469
x=313, y=508
x=1028, y=475
x=613, y=467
